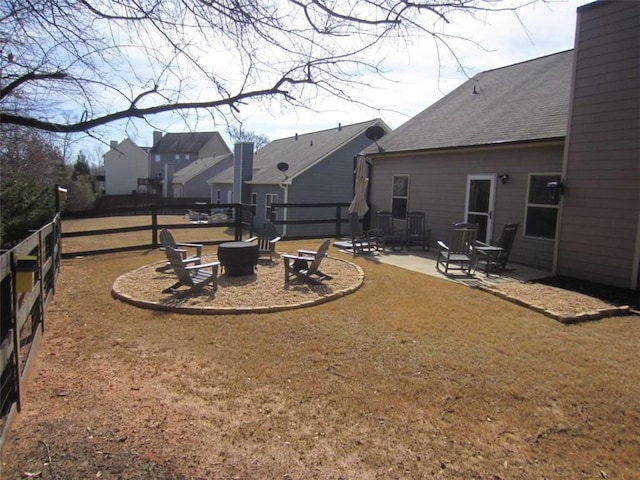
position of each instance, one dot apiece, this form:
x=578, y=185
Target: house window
x=187, y=157
x=542, y=205
x=268, y=200
x=177, y=157
x=400, y=196
x=157, y=157
x=254, y=203
x=218, y=196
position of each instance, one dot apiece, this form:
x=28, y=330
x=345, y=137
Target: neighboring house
x=533, y=143
x=475, y=154
x=124, y=163
x=191, y=181
x=599, y=232
x=319, y=169
x=174, y=151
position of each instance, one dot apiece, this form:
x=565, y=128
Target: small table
x=238, y=258
x=490, y=256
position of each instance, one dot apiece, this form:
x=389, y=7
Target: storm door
x=479, y=204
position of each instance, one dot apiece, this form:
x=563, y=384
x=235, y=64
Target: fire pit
x=238, y=258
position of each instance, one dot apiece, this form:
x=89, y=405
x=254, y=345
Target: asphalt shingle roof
x=522, y=102
x=183, y=142
x=299, y=151
x=197, y=167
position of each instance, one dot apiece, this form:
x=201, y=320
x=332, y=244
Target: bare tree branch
x=80, y=64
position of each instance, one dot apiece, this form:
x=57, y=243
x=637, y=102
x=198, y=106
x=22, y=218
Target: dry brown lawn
x=410, y=377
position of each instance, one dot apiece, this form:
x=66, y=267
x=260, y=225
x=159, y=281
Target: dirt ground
x=409, y=377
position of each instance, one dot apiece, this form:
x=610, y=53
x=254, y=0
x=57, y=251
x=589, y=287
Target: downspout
x=285, y=187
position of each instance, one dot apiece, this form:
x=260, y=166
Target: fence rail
x=240, y=221
x=28, y=274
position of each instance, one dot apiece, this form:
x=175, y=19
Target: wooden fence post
x=154, y=226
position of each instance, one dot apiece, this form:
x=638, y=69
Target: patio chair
x=197, y=217
x=361, y=241
x=167, y=240
x=416, y=233
x=386, y=232
x=267, y=239
x=504, y=243
x=195, y=277
x=459, y=253
x=305, y=265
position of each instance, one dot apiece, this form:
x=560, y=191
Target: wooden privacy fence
x=28, y=276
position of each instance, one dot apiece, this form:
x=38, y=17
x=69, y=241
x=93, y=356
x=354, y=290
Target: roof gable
x=522, y=102
x=197, y=167
x=126, y=145
x=303, y=151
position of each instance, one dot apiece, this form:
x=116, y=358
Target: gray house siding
x=162, y=163
x=330, y=181
x=261, y=192
x=215, y=146
x=438, y=183
x=174, y=151
x=601, y=207
x=197, y=187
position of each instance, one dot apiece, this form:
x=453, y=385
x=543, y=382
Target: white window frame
x=157, y=157
x=254, y=203
x=529, y=205
x=269, y=198
x=405, y=197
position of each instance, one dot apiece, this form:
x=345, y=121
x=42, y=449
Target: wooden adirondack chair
x=306, y=265
x=166, y=240
x=459, y=253
x=194, y=276
x=267, y=239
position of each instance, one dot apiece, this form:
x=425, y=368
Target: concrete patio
x=425, y=262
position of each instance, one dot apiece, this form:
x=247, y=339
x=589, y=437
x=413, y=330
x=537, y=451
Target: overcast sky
x=415, y=78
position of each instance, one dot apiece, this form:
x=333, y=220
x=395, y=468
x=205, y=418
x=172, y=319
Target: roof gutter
x=510, y=144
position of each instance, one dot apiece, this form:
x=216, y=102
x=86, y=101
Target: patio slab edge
x=566, y=319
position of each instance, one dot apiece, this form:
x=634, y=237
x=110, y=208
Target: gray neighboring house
x=124, y=163
x=191, y=181
x=320, y=170
x=552, y=143
x=174, y=151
